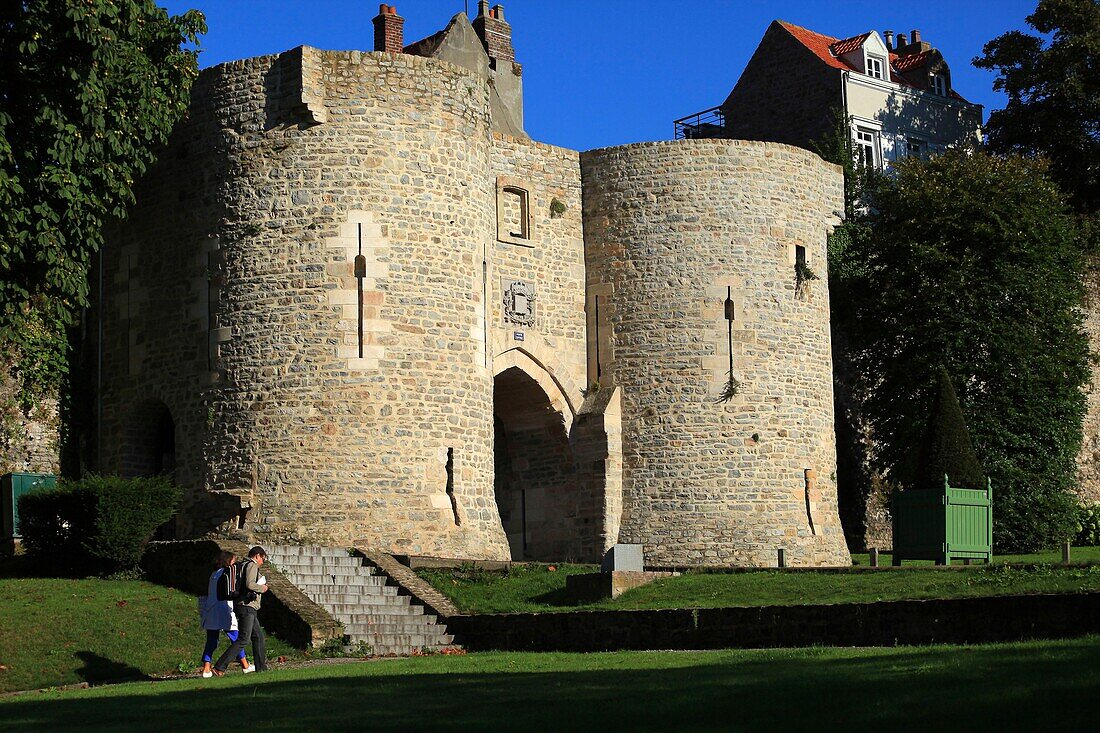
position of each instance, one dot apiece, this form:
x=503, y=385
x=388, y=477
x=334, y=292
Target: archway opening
x=538, y=496
x=150, y=443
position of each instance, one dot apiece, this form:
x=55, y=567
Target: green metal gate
x=943, y=525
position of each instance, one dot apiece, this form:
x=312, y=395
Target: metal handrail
x=706, y=124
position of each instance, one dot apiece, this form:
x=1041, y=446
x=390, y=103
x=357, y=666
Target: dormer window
x=874, y=67
x=939, y=84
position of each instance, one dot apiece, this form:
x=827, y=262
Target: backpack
x=231, y=584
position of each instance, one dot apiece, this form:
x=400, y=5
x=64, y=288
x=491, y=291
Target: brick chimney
x=494, y=32
x=902, y=42
x=388, y=30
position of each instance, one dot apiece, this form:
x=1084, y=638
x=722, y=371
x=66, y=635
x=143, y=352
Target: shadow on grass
x=101, y=669
x=1007, y=688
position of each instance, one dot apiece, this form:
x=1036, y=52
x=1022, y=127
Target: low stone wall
x=286, y=611
x=893, y=623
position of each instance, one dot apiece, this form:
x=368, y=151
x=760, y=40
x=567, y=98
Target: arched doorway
x=537, y=492
x=149, y=448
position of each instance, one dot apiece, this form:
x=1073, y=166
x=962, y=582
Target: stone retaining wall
x=893, y=623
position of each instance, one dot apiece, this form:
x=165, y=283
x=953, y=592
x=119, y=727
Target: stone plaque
x=519, y=303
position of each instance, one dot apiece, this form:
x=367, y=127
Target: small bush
x=99, y=523
x=1088, y=525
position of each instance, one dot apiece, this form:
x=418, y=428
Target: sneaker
x=250, y=669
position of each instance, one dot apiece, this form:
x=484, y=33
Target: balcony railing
x=706, y=124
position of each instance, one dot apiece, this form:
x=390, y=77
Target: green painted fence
x=943, y=524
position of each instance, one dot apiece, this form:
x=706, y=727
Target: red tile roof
x=839, y=48
x=830, y=49
x=910, y=62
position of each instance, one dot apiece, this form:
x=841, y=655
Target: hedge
x=99, y=523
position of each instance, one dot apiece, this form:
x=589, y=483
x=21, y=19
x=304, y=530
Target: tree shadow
x=101, y=669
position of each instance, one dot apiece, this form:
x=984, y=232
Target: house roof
x=830, y=51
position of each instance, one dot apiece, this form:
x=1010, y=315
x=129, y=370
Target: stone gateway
x=355, y=303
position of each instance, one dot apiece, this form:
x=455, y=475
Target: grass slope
x=59, y=631
x=1024, y=686
x=534, y=588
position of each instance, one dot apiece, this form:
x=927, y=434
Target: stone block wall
x=273, y=405
x=672, y=230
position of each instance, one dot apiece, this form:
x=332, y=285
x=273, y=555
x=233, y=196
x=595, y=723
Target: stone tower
x=355, y=303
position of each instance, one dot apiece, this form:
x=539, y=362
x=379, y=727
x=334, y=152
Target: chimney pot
x=889, y=36
x=388, y=30
x=914, y=36
x=498, y=12
x=482, y=8
x=901, y=41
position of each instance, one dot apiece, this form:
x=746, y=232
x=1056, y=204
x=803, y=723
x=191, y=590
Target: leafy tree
x=946, y=448
x=973, y=263
x=1053, y=93
x=88, y=90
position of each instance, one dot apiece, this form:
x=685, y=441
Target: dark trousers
x=249, y=631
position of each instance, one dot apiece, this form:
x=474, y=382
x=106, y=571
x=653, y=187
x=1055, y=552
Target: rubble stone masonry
x=345, y=311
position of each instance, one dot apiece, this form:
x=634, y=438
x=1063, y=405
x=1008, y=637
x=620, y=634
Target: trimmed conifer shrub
x=946, y=448
x=96, y=524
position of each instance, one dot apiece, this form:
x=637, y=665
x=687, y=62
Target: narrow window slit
x=451, y=485
x=360, y=273
x=809, y=480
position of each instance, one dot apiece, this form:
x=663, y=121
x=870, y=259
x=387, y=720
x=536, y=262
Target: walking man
x=252, y=586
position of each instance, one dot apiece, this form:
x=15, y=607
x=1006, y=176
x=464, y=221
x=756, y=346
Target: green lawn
x=1027, y=686
x=534, y=588
x=58, y=631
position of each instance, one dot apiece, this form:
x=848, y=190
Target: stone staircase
x=362, y=598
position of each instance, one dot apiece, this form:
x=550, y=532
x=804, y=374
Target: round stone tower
x=298, y=297
x=706, y=263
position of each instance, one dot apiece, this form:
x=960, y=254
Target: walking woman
x=218, y=616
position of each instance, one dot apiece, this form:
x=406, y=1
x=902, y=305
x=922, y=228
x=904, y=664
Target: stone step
x=361, y=617
x=413, y=641
x=362, y=599
x=370, y=599
x=330, y=581
x=306, y=551
x=339, y=610
x=392, y=630
x=404, y=651
x=345, y=564
x=327, y=589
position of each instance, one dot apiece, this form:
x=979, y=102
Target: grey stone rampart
x=672, y=230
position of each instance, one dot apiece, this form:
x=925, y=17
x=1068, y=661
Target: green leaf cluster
x=99, y=523
x=1053, y=86
x=88, y=91
x=973, y=262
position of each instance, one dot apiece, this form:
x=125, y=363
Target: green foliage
x=730, y=389
x=89, y=90
x=557, y=208
x=851, y=234
x=1053, y=93
x=973, y=263
x=1088, y=525
x=946, y=448
x=99, y=523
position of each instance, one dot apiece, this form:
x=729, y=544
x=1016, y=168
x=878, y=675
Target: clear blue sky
x=610, y=72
